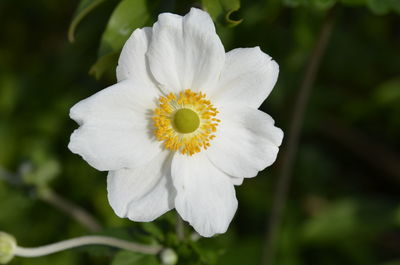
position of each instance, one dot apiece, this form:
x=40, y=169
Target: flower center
x=185, y=122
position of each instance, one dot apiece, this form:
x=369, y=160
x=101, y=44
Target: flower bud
x=195, y=236
x=168, y=257
x=8, y=245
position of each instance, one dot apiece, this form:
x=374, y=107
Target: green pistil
x=186, y=121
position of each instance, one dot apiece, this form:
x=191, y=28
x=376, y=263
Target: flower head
x=181, y=126
x=185, y=123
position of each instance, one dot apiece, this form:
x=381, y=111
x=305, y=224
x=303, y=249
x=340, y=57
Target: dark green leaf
x=41, y=170
x=104, y=64
x=43, y=174
x=381, y=7
x=323, y=4
x=221, y=11
x=154, y=230
x=318, y=4
x=84, y=8
x=353, y=2
x=207, y=252
x=340, y=216
x=396, y=6
x=396, y=216
x=388, y=93
x=293, y=3
x=133, y=258
x=395, y=262
x=127, y=16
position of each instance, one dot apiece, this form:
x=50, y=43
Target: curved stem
x=283, y=182
x=69, y=208
x=9, y=177
x=83, y=241
x=57, y=201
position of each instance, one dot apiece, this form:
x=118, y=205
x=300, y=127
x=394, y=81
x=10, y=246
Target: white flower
x=181, y=126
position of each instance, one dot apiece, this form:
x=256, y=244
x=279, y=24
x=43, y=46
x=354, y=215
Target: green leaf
x=41, y=170
x=318, y=4
x=381, y=7
x=127, y=16
x=44, y=174
x=221, y=11
x=397, y=216
x=340, y=216
x=394, y=262
x=388, y=93
x=154, y=230
x=378, y=7
x=353, y=2
x=396, y=6
x=104, y=64
x=133, y=258
x=8, y=93
x=84, y=8
x=206, y=252
x=293, y=3
x=324, y=4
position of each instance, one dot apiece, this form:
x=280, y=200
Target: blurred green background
x=343, y=205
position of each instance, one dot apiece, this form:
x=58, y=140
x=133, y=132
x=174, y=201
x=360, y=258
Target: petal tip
x=280, y=137
x=74, y=114
x=72, y=140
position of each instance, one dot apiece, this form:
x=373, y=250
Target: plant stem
x=283, y=182
x=76, y=212
x=180, y=227
x=58, y=202
x=9, y=177
x=83, y=241
x=375, y=154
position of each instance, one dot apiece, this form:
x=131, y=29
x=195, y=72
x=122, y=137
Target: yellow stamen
x=186, y=122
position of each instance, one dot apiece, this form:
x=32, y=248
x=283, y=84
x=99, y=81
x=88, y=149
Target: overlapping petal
x=158, y=201
x=115, y=126
x=143, y=193
x=205, y=195
x=237, y=181
x=247, y=141
x=185, y=52
x=247, y=78
x=132, y=61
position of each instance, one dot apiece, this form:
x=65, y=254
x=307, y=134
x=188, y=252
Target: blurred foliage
x=222, y=10
x=84, y=8
x=342, y=209
x=128, y=258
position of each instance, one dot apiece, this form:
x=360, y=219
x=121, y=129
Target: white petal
x=246, y=141
x=155, y=203
x=237, y=181
x=126, y=185
x=132, y=61
x=115, y=126
x=205, y=195
x=247, y=78
x=185, y=52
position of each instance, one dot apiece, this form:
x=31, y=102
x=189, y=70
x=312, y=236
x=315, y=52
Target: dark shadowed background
x=343, y=205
